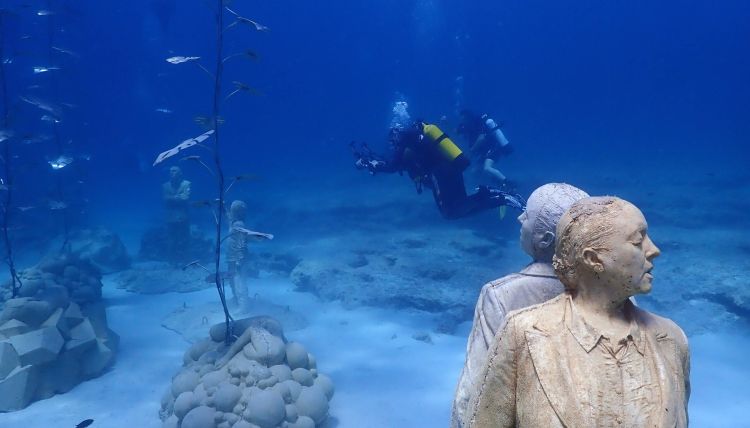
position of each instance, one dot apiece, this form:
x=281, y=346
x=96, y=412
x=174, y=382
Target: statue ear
x=547, y=240
x=592, y=260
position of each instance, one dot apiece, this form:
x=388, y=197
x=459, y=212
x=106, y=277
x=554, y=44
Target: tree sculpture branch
x=6, y=183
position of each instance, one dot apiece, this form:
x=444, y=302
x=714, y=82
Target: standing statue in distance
x=536, y=283
x=176, y=195
x=589, y=357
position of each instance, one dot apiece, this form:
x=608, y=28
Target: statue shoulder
x=545, y=316
x=661, y=327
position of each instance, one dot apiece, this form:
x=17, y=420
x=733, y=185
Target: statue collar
x=539, y=269
x=588, y=336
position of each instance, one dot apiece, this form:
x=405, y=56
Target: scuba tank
x=494, y=129
x=445, y=148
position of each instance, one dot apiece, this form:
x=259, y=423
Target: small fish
x=34, y=87
x=44, y=12
x=245, y=177
x=8, y=61
x=5, y=135
x=181, y=59
x=84, y=424
x=33, y=139
x=85, y=156
x=163, y=110
x=41, y=69
x=206, y=121
x=24, y=209
x=58, y=205
x=61, y=162
x=46, y=106
x=65, y=51
x=51, y=119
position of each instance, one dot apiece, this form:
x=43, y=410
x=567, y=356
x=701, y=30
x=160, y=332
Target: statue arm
x=184, y=192
x=494, y=402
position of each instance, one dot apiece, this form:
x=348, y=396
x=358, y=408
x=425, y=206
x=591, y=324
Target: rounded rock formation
x=259, y=381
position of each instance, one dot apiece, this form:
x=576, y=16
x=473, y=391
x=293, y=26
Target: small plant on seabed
x=6, y=182
x=218, y=206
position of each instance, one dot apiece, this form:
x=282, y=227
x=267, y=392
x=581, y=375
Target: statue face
x=628, y=263
x=527, y=233
x=175, y=173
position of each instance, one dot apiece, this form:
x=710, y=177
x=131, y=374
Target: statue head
x=538, y=221
x=175, y=175
x=604, y=242
x=237, y=210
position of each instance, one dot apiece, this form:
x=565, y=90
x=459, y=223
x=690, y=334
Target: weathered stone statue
x=589, y=357
x=536, y=283
x=176, y=194
x=239, y=267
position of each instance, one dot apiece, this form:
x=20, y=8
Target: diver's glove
x=512, y=200
x=515, y=201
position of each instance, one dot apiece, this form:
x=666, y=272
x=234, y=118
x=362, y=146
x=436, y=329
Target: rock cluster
x=102, y=247
x=260, y=381
x=55, y=334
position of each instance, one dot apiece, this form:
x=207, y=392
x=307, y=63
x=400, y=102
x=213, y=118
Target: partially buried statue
x=238, y=261
x=176, y=194
x=589, y=357
x=536, y=283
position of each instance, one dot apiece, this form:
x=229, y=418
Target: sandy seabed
x=384, y=377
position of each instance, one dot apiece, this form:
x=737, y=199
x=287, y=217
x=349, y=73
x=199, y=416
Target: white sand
x=383, y=377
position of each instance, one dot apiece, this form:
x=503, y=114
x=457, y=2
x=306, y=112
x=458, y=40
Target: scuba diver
x=435, y=162
x=486, y=140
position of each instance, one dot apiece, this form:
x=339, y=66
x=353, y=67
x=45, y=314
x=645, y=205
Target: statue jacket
x=535, y=284
x=529, y=380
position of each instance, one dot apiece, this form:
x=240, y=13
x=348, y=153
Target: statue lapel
x=554, y=376
x=666, y=362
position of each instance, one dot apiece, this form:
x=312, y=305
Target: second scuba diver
x=434, y=161
x=486, y=140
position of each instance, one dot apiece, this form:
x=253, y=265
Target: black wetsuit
x=416, y=155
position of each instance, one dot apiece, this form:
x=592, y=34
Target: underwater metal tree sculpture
x=6, y=183
x=213, y=122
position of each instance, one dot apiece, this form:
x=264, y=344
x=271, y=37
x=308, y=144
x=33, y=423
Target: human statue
x=239, y=267
x=589, y=357
x=536, y=283
x=176, y=194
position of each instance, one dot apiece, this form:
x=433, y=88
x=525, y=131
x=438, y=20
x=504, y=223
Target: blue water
x=645, y=100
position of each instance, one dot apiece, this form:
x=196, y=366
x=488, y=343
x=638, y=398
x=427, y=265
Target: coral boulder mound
x=259, y=381
x=54, y=335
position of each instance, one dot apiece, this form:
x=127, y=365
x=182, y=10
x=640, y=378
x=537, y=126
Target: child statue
x=589, y=357
x=239, y=267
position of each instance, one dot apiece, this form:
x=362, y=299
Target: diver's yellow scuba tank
x=445, y=147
